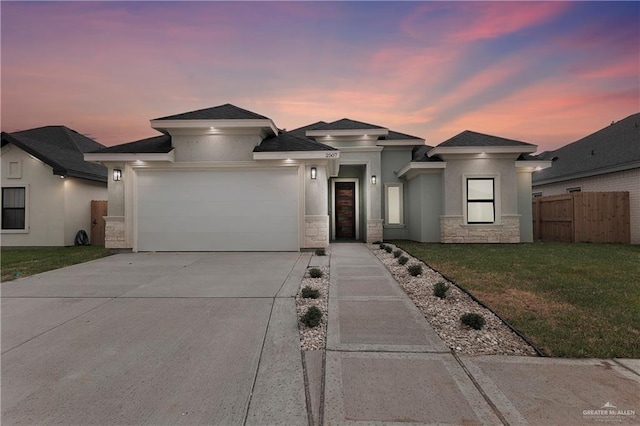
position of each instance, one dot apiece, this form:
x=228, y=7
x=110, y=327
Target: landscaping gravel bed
x=314, y=338
x=495, y=338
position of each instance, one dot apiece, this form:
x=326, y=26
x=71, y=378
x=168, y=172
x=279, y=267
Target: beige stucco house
x=47, y=187
x=228, y=179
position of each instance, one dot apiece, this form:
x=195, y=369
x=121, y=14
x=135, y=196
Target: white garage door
x=222, y=210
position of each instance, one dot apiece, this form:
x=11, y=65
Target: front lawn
x=571, y=300
x=20, y=262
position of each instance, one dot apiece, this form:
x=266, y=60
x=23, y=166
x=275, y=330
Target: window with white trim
x=393, y=203
x=14, y=208
x=481, y=201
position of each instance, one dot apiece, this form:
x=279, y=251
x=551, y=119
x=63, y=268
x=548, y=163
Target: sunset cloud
x=543, y=72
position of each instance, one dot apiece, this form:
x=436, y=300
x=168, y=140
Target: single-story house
x=47, y=186
x=228, y=179
x=607, y=160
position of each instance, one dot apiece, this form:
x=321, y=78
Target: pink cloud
x=472, y=21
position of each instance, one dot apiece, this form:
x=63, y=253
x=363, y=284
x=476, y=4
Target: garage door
x=223, y=210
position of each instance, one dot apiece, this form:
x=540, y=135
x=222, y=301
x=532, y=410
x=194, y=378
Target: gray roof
x=290, y=142
x=347, y=124
x=469, y=138
x=157, y=144
x=221, y=112
x=61, y=148
x=615, y=147
x=399, y=136
x=301, y=131
x=419, y=154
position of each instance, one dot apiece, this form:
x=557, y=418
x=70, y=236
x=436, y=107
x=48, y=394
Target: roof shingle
x=157, y=144
x=61, y=148
x=470, y=138
x=615, y=146
x=290, y=142
x=221, y=112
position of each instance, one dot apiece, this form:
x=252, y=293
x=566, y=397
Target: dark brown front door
x=99, y=209
x=345, y=209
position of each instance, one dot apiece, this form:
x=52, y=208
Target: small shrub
x=440, y=289
x=312, y=317
x=388, y=249
x=473, y=320
x=415, y=269
x=397, y=253
x=377, y=242
x=310, y=293
x=382, y=246
x=320, y=252
x=403, y=260
x=315, y=273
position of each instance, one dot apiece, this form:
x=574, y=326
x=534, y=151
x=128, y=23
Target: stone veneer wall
x=316, y=231
x=453, y=230
x=114, y=235
x=374, y=230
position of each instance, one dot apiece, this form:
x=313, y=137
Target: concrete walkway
x=385, y=364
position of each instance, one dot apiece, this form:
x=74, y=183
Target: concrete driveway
x=155, y=338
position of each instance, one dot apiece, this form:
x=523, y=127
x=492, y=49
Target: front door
x=345, y=210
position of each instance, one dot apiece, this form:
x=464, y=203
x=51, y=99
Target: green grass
x=571, y=300
x=18, y=262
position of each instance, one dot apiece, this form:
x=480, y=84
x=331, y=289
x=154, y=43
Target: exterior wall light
x=314, y=173
x=373, y=179
x=117, y=174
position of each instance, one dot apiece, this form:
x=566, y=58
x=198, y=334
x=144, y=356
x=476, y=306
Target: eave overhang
x=348, y=132
x=415, y=168
x=297, y=155
x=215, y=126
x=532, y=165
x=401, y=142
x=125, y=157
x=587, y=174
x=524, y=149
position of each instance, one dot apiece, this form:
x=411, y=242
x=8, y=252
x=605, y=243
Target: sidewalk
x=385, y=363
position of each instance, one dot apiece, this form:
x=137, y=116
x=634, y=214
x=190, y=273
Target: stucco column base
x=454, y=230
x=316, y=231
x=114, y=235
x=374, y=230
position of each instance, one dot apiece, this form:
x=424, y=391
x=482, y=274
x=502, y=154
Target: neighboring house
x=607, y=160
x=227, y=179
x=47, y=186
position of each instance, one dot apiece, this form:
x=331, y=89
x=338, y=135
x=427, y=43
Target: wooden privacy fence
x=596, y=217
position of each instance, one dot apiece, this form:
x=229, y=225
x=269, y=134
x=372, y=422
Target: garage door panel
x=222, y=210
x=229, y=241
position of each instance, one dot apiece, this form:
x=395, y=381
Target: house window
x=13, y=208
x=575, y=189
x=394, y=200
x=536, y=194
x=481, y=203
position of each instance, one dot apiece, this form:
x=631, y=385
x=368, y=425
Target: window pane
x=13, y=212
x=393, y=203
x=13, y=219
x=12, y=197
x=480, y=213
x=480, y=189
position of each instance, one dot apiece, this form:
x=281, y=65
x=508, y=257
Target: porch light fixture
x=117, y=174
x=314, y=173
x=373, y=179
